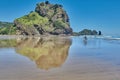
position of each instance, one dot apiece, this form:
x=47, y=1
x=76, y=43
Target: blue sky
x=101, y=15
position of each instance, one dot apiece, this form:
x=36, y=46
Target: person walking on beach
x=85, y=37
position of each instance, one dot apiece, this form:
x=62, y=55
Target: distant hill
x=87, y=32
x=7, y=28
x=5, y=24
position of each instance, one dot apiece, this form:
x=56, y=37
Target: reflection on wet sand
x=85, y=42
x=46, y=52
x=7, y=43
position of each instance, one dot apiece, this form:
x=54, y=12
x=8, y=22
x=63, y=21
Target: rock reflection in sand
x=46, y=52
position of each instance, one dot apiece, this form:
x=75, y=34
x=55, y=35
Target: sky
x=103, y=15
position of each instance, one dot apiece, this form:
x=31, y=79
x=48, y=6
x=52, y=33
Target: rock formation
x=46, y=19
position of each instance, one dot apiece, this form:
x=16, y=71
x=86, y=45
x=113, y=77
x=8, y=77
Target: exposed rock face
x=47, y=18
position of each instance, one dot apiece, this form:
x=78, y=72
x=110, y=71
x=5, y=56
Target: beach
x=62, y=59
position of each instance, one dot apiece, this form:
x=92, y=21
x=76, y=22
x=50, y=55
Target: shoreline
x=57, y=36
x=22, y=36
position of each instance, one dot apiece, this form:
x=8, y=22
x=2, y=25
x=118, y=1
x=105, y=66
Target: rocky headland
x=47, y=19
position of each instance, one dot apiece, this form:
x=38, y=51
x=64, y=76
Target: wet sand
x=96, y=59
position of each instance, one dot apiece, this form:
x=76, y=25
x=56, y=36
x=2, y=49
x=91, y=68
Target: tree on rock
x=47, y=2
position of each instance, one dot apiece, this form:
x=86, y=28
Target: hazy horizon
x=90, y=14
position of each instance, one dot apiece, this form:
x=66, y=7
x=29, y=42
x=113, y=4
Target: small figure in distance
x=85, y=37
x=85, y=40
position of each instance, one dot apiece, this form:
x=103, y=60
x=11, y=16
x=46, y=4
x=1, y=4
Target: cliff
x=46, y=19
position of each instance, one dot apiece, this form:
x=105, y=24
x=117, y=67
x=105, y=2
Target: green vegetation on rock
x=32, y=19
x=7, y=28
x=60, y=24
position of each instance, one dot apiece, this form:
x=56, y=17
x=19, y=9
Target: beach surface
x=59, y=59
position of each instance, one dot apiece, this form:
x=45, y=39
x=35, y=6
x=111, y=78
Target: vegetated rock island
x=46, y=19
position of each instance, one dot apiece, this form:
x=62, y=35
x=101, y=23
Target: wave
x=111, y=37
x=107, y=37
